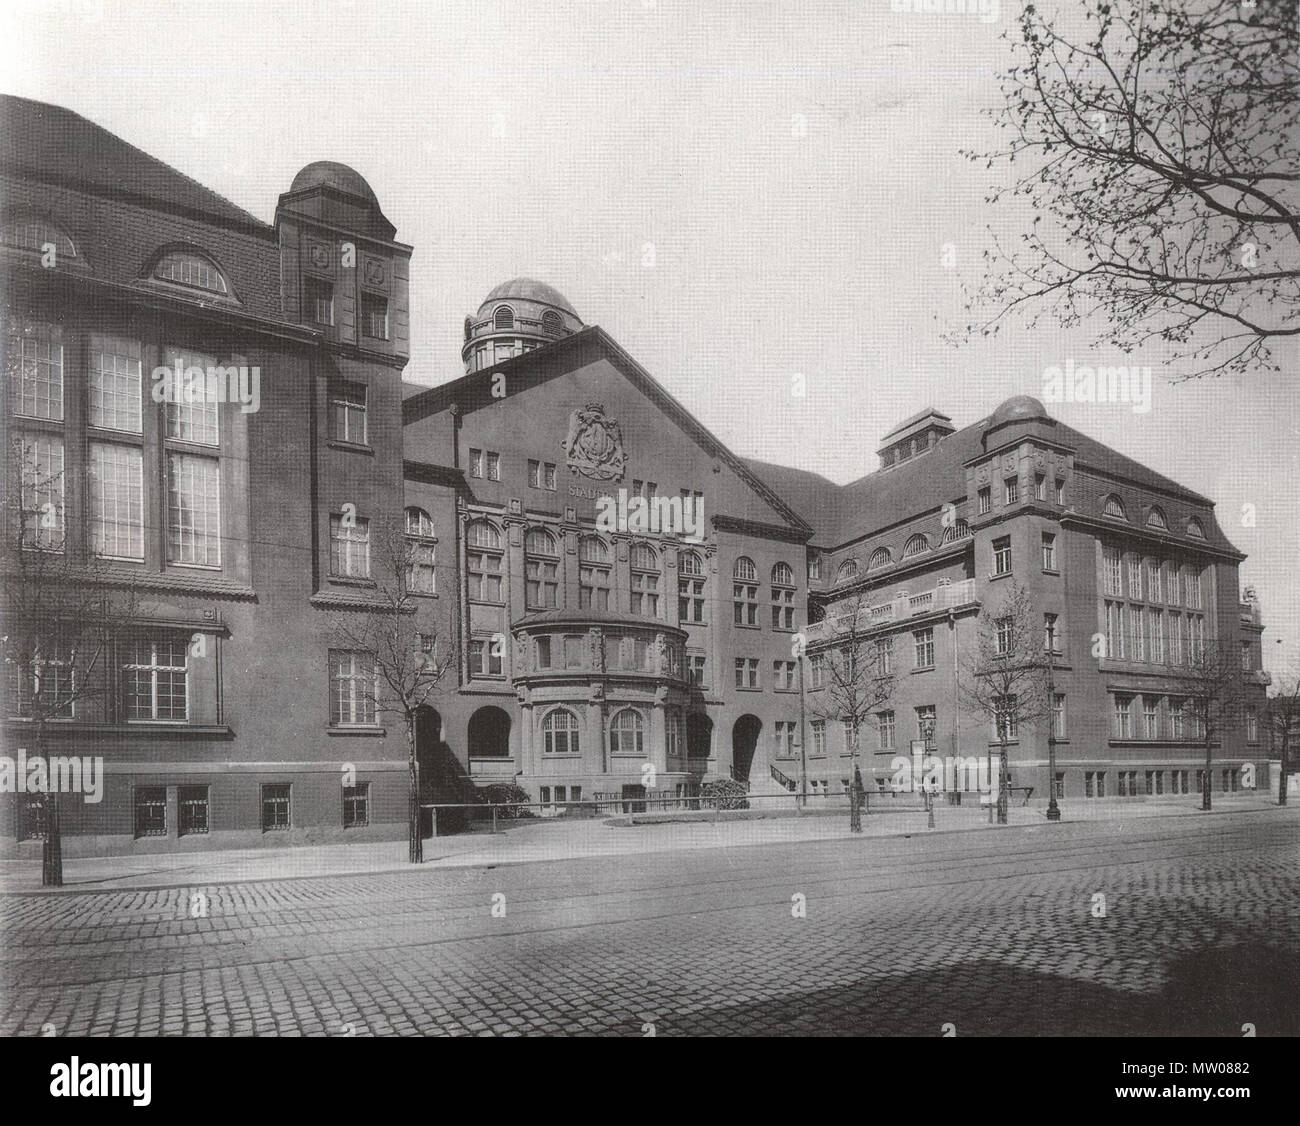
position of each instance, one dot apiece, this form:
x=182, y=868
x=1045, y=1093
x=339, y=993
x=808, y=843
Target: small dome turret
x=516, y=317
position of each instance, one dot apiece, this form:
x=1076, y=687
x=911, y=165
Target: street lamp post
x=927, y=733
x=803, y=735
x=1053, y=810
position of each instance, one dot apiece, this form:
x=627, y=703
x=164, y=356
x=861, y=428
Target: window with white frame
x=154, y=679
x=746, y=672
x=627, y=733
x=193, y=510
x=348, y=413
x=116, y=501
x=818, y=737
x=1002, y=555
x=1123, y=716
x=35, y=366
x=41, y=500
x=560, y=732
x=985, y=500
x=194, y=417
x=885, y=729
x=1151, y=717
x=113, y=387
x=690, y=587
x=48, y=674
x=541, y=569
x=354, y=688
x=421, y=558
x=350, y=547
x=187, y=268
x=485, y=657
x=593, y=574
x=1004, y=632
x=783, y=597
x=1049, y=551
x=645, y=580
x=483, y=554
x=744, y=592
x=924, y=645
x=1112, y=571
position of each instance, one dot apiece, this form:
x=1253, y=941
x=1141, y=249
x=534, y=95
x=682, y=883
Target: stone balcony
x=901, y=608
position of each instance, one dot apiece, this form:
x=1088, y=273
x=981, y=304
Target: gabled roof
x=47, y=142
x=473, y=391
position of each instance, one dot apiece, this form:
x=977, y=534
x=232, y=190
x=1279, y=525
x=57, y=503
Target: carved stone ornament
x=521, y=652
x=596, y=642
x=982, y=475
x=319, y=255
x=594, y=444
x=374, y=271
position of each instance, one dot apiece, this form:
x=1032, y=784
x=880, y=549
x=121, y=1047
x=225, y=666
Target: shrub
x=724, y=793
x=505, y=793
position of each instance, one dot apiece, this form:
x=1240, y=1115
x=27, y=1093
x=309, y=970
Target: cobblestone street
x=1181, y=925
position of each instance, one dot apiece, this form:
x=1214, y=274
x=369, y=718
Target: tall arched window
x=627, y=733
x=551, y=323
x=483, y=552
x=1113, y=506
x=744, y=592
x=690, y=587
x=593, y=574
x=916, y=545
x=881, y=557
x=560, y=732
x=783, y=597
x=189, y=268
x=503, y=318
x=645, y=580
x=421, y=574
x=541, y=567
x=846, y=571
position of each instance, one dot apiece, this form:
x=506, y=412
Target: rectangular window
x=885, y=728
x=1151, y=717
x=374, y=317
x=493, y=466
x=1060, y=492
x=193, y=510
x=746, y=672
x=924, y=644
x=484, y=575
x=154, y=679
x=53, y=663
x=817, y=670
x=534, y=474
x=925, y=717
x=885, y=656
x=1135, y=577
x=1003, y=626
x=695, y=663
x=354, y=688
x=1051, y=634
x=475, y=462
x=35, y=363
x=542, y=649
x=150, y=811
x=275, y=807
x=783, y=676
x=783, y=739
x=484, y=657
x=643, y=656
x=1139, y=633
x=745, y=603
x=116, y=501
x=818, y=737
x=1176, y=630
x=1157, y=637
x=593, y=588
x=783, y=609
x=320, y=301
x=1040, y=487
x=114, y=383
x=1176, y=726
x=1049, y=552
x=350, y=547
x=42, y=484
x=195, y=417
x=356, y=805
x=1002, y=555
x=1011, y=491
x=1123, y=717
x=1252, y=725
x=645, y=593
x=192, y=808
x=1111, y=571
x=985, y=501
x=1005, y=721
x=541, y=584
x=1153, y=581
x=1171, y=584
x=348, y=412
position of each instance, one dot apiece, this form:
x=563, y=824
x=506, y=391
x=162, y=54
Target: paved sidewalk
x=558, y=839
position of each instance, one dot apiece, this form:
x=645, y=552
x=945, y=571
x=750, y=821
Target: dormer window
x=551, y=323
x=1113, y=506
x=1195, y=528
x=186, y=268
x=1156, y=519
x=36, y=234
x=504, y=318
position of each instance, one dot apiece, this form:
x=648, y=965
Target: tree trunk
x=855, y=808
x=1208, y=785
x=416, y=842
x=1281, y=784
x=1003, y=781
x=52, y=846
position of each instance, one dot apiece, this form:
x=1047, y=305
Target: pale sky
x=794, y=167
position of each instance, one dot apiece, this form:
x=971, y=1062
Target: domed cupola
x=516, y=317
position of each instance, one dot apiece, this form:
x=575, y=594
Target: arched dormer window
x=917, y=545
x=959, y=531
x=192, y=270
x=690, y=587
x=846, y=571
x=551, y=323
x=1156, y=518
x=421, y=573
x=560, y=732
x=1113, y=506
x=35, y=234
x=504, y=318
x=881, y=557
x=593, y=573
x=483, y=554
x=645, y=580
x=1195, y=528
x=541, y=567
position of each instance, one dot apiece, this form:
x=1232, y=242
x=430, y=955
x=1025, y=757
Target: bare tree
x=62, y=619
x=1162, y=146
x=409, y=656
x=1005, y=676
x=1282, y=714
x=1209, y=685
x=855, y=674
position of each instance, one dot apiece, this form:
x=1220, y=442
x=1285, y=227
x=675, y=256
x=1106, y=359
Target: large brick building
x=583, y=652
